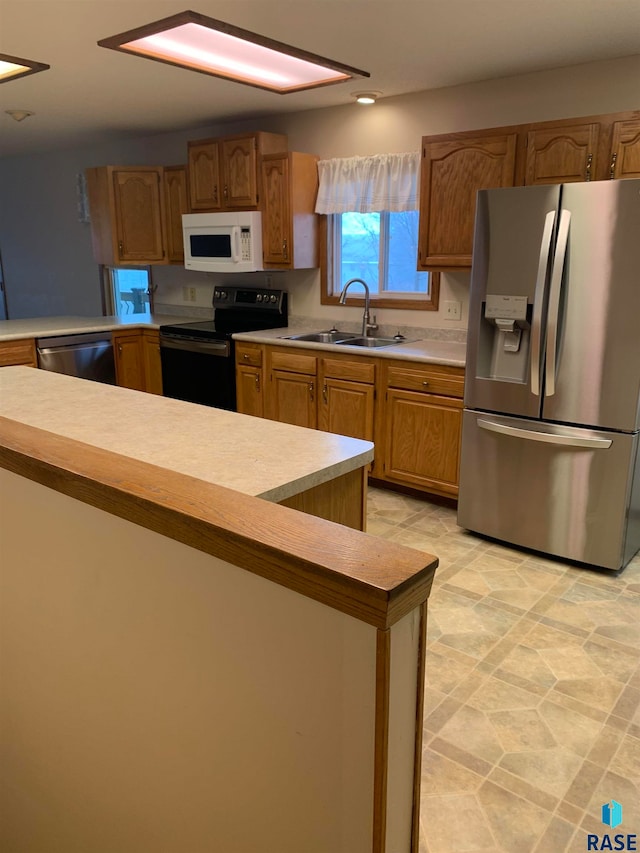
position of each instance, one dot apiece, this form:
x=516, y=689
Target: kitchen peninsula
x=219, y=671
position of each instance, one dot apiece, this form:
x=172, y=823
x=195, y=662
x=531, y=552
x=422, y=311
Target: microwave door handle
x=538, y=301
x=554, y=303
x=235, y=244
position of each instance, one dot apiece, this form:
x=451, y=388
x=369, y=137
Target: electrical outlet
x=452, y=310
x=189, y=294
x=268, y=280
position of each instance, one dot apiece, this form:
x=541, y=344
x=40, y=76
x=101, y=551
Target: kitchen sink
x=370, y=342
x=332, y=337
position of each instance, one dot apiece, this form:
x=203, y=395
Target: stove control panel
x=244, y=297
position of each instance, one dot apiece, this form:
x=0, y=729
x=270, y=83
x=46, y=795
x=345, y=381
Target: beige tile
x=551, y=770
x=542, y=636
x=530, y=665
x=496, y=695
x=556, y=837
x=471, y=729
x=455, y=823
x=569, y=662
x=522, y=788
x=614, y=786
x=461, y=756
x=521, y=730
x=443, y=673
x=584, y=784
x=600, y=692
x=626, y=762
x=441, y=775
x=570, y=729
x=605, y=746
x=516, y=823
x=615, y=663
x=628, y=703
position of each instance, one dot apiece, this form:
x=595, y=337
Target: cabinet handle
x=426, y=383
x=589, y=162
x=284, y=248
x=324, y=392
x=612, y=167
x=225, y=192
x=120, y=348
x=120, y=246
x=246, y=356
x=311, y=391
x=257, y=382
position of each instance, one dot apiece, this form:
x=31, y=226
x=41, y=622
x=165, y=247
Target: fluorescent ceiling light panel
x=12, y=67
x=194, y=41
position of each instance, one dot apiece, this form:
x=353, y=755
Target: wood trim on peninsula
x=368, y=578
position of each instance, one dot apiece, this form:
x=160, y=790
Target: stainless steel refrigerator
x=550, y=440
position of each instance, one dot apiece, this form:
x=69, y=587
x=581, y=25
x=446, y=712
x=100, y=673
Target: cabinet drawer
x=357, y=371
x=432, y=381
x=18, y=352
x=249, y=355
x=293, y=362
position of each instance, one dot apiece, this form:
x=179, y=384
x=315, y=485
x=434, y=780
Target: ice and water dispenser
x=503, y=345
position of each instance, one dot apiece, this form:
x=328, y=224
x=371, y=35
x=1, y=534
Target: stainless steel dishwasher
x=88, y=356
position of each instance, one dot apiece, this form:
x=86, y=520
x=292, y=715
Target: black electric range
x=198, y=357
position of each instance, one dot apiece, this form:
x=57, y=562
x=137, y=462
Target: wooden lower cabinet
x=422, y=427
x=18, y=352
x=292, y=387
x=411, y=411
x=249, y=380
x=137, y=358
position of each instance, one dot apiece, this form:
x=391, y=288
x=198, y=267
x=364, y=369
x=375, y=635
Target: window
x=127, y=290
x=382, y=249
x=371, y=231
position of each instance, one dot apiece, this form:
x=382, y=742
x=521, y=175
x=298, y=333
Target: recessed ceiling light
x=194, y=41
x=366, y=97
x=12, y=67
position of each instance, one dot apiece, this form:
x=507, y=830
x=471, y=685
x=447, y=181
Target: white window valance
x=369, y=184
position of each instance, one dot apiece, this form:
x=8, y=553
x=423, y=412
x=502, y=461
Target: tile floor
x=532, y=694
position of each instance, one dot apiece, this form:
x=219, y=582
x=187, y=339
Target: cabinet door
x=204, y=175
x=292, y=398
x=239, y=169
x=152, y=362
x=176, y=203
x=138, y=213
x=276, y=220
x=454, y=168
x=346, y=408
x=625, y=150
x=561, y=155
x=422, y=440
x=129, y=361
x=250, y=400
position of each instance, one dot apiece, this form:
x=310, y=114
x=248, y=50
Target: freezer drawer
x=565, y=491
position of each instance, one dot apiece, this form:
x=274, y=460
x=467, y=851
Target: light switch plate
x=452, y=310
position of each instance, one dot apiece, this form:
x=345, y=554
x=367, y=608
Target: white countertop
x=42, y=327
x=427, y=350
x=251, y=455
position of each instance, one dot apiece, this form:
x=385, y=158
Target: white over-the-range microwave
x=223, y=242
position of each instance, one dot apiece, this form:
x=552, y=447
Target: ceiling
x=91, y=94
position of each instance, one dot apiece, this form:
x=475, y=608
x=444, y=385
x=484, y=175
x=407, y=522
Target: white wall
x=46, y=252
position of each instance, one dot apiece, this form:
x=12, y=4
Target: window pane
x=130, y=288
x=360, y=249
x=403, y=253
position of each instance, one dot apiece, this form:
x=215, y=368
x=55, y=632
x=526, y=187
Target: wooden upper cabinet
x=625, y=150
x=126, y=205
x=454, y=168
x=289, y=223
x=176, y=202
x=240, y=173
x=204, y=175
x=224, y=173
x=560, y=155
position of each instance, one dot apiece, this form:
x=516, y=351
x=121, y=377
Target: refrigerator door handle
x=538, y=302
x=554, y=303
x=548, y=437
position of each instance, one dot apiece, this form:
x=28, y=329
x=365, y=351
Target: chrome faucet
x=366, y=325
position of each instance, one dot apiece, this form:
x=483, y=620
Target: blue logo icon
x=612, y=814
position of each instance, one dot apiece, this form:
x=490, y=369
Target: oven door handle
x=218, y=348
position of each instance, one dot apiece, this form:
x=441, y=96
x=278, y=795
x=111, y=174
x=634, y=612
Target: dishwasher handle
x=62, y=342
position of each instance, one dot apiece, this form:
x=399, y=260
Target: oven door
x=198, y=371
